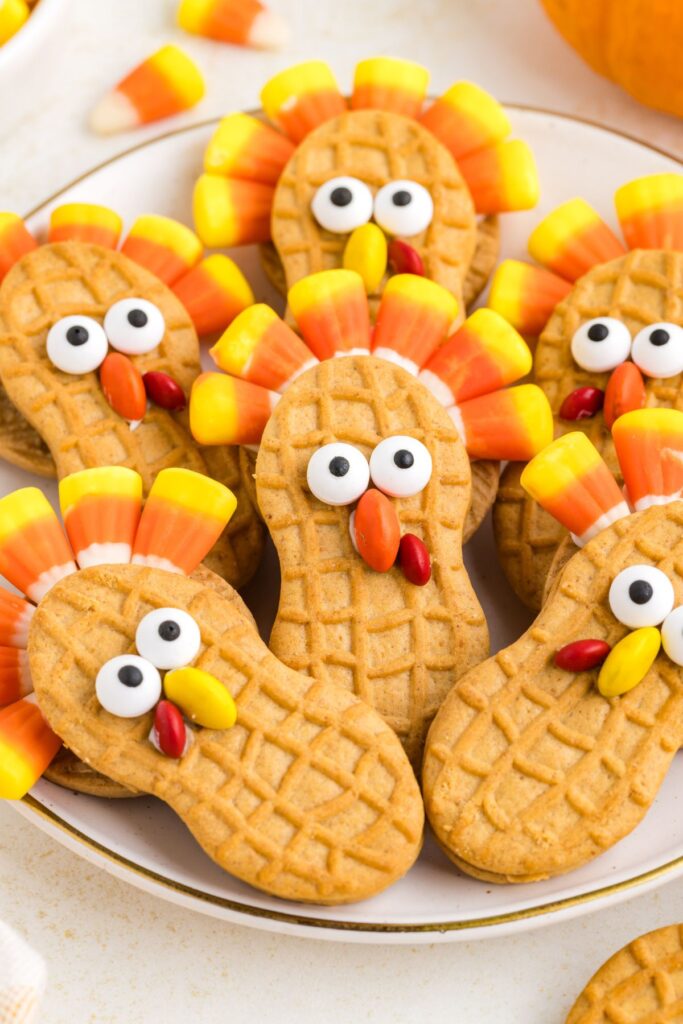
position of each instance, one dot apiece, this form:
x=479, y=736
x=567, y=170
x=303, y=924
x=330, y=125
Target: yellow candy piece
x=13, y=14
x=201, y=697
x=366, y=253
x=629, y=661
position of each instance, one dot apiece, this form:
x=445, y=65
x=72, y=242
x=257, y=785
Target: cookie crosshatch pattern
x=161, y=683
x=85, y=383
x=378, y=184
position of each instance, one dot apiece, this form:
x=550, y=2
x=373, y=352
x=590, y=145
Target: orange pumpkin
x=635, y=43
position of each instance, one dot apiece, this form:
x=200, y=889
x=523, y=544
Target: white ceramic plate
x=144, y=843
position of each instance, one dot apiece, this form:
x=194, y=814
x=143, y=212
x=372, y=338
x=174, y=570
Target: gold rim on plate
x=285, y=917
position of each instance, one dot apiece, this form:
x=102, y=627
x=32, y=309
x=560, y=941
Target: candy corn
x=502, y=177
x=201, y=697
x=244, y=147
x=228, y=211
x=165, y=246
x=27, y=746
x=226, y=410
x=650, y=211
x=331, y=310
x=466, y=119
x=259, y=347
x=15, y=677
x=85, y=222
x=15, y=241
x=366, y=253
x=184, y=515
x=166, y=83
x=13, y=14
x=244, y=22
x=514, y=424
x=101, y=510
x=213, y=293
x=386, y=83
x=570, y=481
x=526, y=295
x=15, y=618
x=572, y=239
x=649, y=445
x=302, y=97
x=414, y=316
x=485, y=354
x=123, y=387
x=34, y=553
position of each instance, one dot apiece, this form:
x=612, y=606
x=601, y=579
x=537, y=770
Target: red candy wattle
x=170, y=729
x=164, y=391
x=582, y=404
x=403, y=259
x=582, y=655
x=413, y=558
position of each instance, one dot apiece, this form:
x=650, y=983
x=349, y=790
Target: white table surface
x=115, y=954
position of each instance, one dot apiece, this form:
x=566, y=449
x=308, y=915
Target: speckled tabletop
x=115, y=954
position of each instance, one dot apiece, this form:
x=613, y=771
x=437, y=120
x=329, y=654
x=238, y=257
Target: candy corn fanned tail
x=166, y=83
x=414, y=318
x=514, y=423
x=213, y=293
x=572, y=239
x=384, y=83
x=184, y=515
x=85, y=222
x=331, y=310
x=164, y=246
x=570, y=480
x=15, y=241
x=227, y=410
x=261, y=348
x=650, y=212
x=27, y=746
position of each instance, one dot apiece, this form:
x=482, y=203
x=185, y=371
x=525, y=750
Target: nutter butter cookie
x=363, y=476
x=98, y=355
x=550, y=752
x=159, y=682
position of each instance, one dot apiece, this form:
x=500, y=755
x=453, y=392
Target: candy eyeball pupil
x=137, y=318
x=339, y=466
x=598, y=332
x=130, y=675
x=341, y=196
x=640, y=591
x=404, y=459
x=402, y=198
x=169, y=630
x=659, y=336
x=77, y=335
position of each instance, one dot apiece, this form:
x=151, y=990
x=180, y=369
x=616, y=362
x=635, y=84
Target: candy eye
x=658, y=350
x=601, y=344
x=672, y=635
x=342, y=204
x=641, y=596
x=76, y=344
x=403, y=208
x=168, y=637
x=338, y=474
x=400, y=466
x=134, y=326
x=128, y=686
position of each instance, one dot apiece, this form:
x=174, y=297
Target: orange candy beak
x=625, y=392
x=376, y=530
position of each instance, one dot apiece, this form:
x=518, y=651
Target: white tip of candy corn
x=114, y=113
x=269, y=31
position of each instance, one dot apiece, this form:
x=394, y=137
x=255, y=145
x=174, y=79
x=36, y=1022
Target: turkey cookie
x=549, y=753
x=610, y=321
x=159, y=682
x=97, y=353
x=363, y=479
x=377, y=184
x=641, y=984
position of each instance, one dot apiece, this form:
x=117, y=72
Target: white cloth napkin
x=22, y=979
